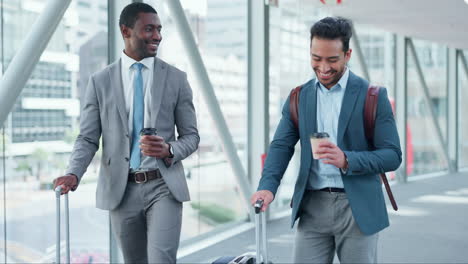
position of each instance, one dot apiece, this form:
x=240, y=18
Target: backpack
x=370, y=110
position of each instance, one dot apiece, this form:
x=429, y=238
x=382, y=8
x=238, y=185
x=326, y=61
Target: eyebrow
x=332, y=57
x=153, y=26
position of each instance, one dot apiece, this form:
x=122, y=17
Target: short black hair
x=333, y=28
x=129, y=14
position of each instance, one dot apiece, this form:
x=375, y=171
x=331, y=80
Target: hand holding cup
x=315, y=140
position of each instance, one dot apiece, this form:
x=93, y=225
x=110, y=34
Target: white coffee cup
x=315, y=140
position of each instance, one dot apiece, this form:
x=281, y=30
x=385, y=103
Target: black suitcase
x=260, y=243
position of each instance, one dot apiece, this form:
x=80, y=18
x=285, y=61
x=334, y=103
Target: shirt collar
x=127, y=62
x=342, y=82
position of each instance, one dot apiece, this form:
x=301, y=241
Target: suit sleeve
x=186, y=123
x=280, y=152
x=387, y=153
x=87, y=142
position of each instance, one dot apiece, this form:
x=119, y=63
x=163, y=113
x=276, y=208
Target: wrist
x=170, y=150
x=71, y=174
x=346, y=163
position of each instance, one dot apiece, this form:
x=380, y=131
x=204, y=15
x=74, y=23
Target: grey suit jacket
x=104, y=115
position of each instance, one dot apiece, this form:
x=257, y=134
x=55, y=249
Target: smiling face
x=142, y=41
x=328, y=60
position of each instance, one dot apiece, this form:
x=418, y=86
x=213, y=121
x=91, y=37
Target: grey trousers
x=147, y=223
x=327, y=226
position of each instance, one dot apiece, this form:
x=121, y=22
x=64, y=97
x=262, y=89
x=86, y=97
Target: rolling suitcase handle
x=261, y=255
x=58, y=192
x=260, y=233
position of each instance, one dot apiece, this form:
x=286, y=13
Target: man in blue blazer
x=338, y=198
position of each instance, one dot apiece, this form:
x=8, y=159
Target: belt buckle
x=144, y=173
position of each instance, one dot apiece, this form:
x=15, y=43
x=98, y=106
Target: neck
x=133, y=56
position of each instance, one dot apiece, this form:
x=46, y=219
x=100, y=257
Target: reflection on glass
x=219, y=28
x=41, y=129
x=428, y=151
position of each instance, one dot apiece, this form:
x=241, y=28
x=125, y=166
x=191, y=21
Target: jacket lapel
x=347, y=107
x=310, y=99
x=157, y=89
x=117, y=88
x=307, y=122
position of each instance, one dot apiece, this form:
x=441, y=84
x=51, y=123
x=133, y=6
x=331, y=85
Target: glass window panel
x=379, y=55
x=220, y=30
x=428, y=151
x=41, y=130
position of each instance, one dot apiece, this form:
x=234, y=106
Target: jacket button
x=126, y=159
x=126, y=135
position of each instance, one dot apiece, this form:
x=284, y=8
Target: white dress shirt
x=128, y=76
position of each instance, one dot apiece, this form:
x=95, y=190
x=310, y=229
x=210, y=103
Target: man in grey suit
x=141, y=181
x=338, y=198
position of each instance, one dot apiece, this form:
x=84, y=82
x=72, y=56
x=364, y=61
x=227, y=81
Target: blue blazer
x=361, y=182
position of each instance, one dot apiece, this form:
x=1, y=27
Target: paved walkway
x=431, y=226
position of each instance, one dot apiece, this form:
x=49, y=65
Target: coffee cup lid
x=320, y=135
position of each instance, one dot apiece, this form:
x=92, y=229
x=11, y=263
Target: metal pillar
x=389, y=68
x=258, y=87
x=27, y=56
x=3, y=142
x=401, y=95
x=115, y=40
x=463, y=67
x=208, y=93
x=452, y=105
x=427, y=97
x=360, y=55
x=462, y=59
x=116, y=45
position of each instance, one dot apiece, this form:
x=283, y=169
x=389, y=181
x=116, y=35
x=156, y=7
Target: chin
x=149, y=55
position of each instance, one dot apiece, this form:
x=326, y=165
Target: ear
x=126, y=31
x=348, y=55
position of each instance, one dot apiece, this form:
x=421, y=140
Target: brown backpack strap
x=370, y=112
x=389, y=191
x=294, y=105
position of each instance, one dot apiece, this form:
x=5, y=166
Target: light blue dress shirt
x=328, y=112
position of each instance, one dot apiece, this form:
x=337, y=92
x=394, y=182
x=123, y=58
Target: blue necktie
x=138, y=108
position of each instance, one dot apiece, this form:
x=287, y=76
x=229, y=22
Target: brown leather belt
x=144, y=176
